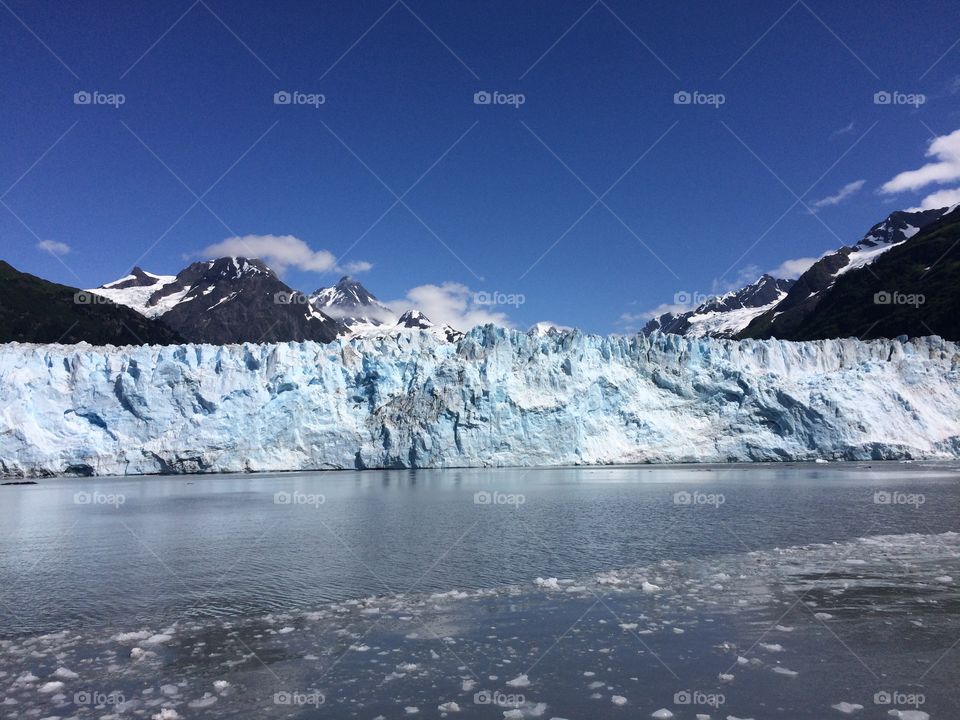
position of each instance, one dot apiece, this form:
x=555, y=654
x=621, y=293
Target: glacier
x=496, y=397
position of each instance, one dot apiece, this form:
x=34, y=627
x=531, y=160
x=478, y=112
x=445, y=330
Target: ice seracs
x=495, y=397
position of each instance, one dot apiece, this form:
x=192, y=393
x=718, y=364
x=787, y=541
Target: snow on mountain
x=543, y=328
x=231, y=299
x=725, y=315
x=805, y=294
x=496, y=397
x=352, y=304
x=135, y=291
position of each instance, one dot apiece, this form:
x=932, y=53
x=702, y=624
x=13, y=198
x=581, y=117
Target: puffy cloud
x=451, y=304
x=842, y=194
x=634, y=322
x=946, y=149
x=939, y=199
x=793, y=268
x=54, y=247
x=282, y=252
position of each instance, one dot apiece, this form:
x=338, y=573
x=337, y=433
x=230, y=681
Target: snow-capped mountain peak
x=725, y=315
x=414, y=319
x=352, y=304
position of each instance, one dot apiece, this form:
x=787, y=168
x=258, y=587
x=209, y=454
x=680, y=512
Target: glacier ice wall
x=495, y=398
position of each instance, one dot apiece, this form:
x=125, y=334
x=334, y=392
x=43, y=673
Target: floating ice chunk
x=741, y=660
x=169, y=689
x=589, y=673
x=26, y=678
x=360, y=648
x=64, y=674
x=784, y=628
x=628, y=626
x=649, y=587
x=410, y=710
x=448, y=707
x=618, y=700
x=909, y=714
x=943, y=579
x=725, y=677
x=468, y=685
x=519, y=681
x=206, y=701
x=132, y=636
x=780, y=670
x=167, y=714
x=407, y=667
x=285, y=630
x=702, y=716
x=662, y=714
x=547, y=583
x=220, y=685
x=51, y=687
x=772, y=647
x=823, y=616
x=158, y=639
x=847, y=708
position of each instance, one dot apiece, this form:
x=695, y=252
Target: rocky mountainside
x=229, y=300
x=788, y=318
x=725, y=315
x=912, y=289
x=35, y=310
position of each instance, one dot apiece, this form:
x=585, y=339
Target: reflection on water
x=798, y=592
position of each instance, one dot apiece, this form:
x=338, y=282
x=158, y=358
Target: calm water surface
x=224, y=569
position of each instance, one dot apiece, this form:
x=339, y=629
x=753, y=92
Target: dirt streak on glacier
x=497, y=397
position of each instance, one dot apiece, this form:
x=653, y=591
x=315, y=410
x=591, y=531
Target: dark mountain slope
x=39, y=311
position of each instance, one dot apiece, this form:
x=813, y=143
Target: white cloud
x=634, y=322
x=946, y=149
x=939, y=199
x=842, y=194
x=451, y=304
x=53, y=246
x=281, y=252
x=792, y=268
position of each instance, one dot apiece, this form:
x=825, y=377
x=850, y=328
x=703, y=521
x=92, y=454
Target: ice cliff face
x=495, y=397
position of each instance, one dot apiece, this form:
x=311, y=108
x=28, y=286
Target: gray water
x=359, y=594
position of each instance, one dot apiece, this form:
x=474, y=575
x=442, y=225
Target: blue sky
x=595, y=201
